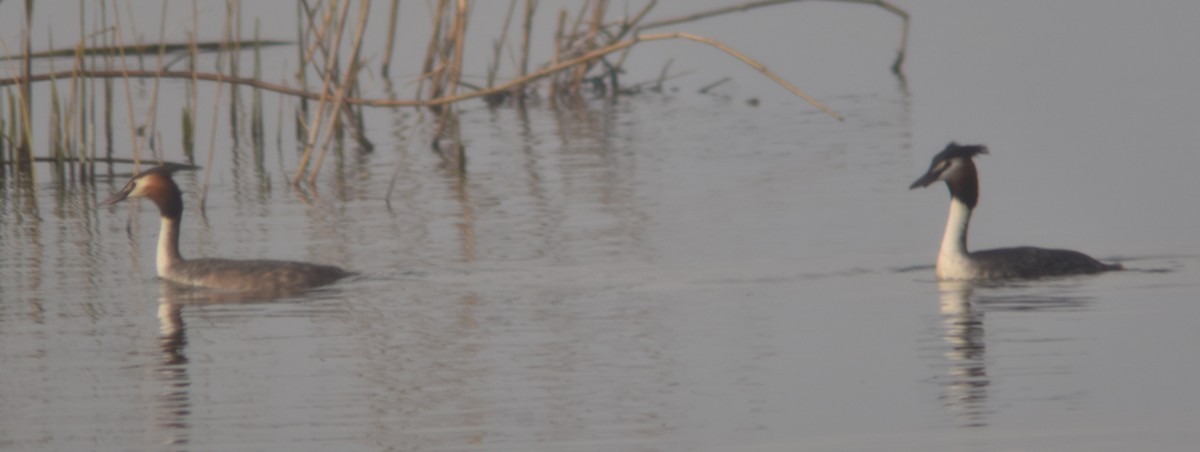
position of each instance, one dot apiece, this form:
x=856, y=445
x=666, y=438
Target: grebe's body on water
x=222, y=274
x=954, y=165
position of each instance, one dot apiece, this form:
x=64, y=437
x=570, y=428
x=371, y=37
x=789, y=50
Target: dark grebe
x=954, y=166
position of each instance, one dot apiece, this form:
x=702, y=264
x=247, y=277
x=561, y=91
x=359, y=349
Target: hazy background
x=673, y=272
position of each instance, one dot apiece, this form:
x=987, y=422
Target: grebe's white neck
x=168, y=246
x=953, y=260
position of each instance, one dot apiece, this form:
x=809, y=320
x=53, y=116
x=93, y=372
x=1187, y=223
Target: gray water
x=674, y=272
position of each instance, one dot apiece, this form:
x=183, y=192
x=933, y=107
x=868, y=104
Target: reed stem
x=319, y=114
x=364, y=10
x=393, y=17
x=526, y=31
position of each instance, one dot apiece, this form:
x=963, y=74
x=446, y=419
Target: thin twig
x=393, y=15
x=212, y=135
x=153, y=107
x=712, y=85
x=557, y=55
x=498, y=45
x=460, y=33
x=897, y=66
x=137, y=154
x=629, y=26
x=589, y=43
x=527, y=29
x=431, y=50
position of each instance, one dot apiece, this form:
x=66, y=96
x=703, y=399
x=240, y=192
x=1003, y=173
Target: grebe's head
x=154, y=183
x=950, y=164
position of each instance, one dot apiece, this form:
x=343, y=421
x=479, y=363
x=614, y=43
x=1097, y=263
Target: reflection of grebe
x=967, y=381
x=224, y=274
x=954, y=166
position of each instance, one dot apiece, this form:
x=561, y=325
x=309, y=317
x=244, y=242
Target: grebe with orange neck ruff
x=221, y=274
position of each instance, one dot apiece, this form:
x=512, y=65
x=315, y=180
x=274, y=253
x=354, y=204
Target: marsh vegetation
x=92, y=80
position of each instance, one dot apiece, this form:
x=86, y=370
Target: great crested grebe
x=954, y=166
x=221, y=274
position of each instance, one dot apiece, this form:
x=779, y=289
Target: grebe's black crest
x=955, y=150
x=944, y=160
x=165, y=170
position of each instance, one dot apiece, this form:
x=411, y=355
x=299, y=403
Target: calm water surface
x=675, y=272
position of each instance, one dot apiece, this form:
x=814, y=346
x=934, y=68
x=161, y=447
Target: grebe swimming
x=954, y=165
x=222, y=274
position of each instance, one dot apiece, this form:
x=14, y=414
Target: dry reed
x=581, y=64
